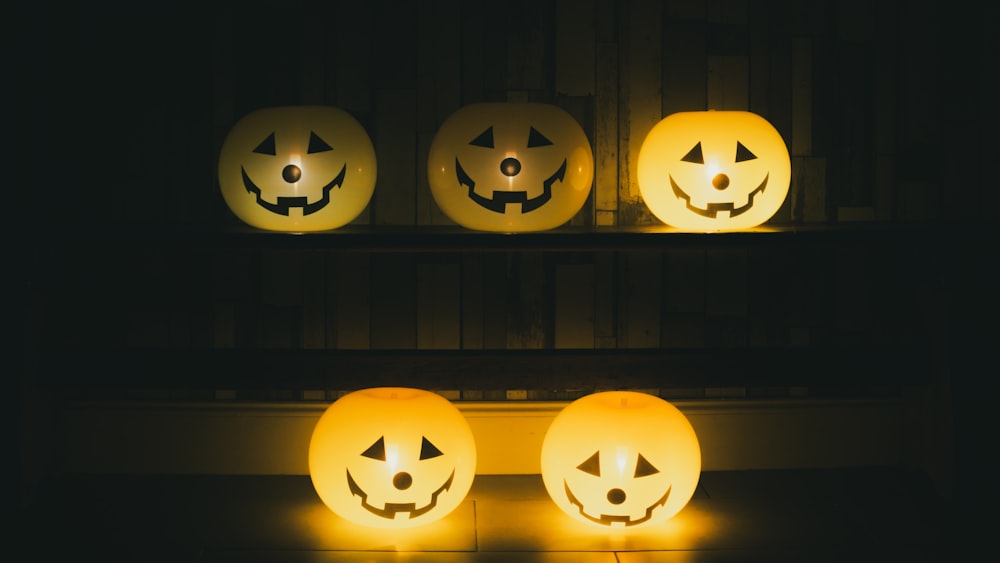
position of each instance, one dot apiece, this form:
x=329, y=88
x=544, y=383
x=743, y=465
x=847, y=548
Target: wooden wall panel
x=393, y=302
x=685, y=66
x=395, y=199
x=314, y=295
x=640, y=99
x=473, y=306
x=528, y=314
x=684, y=286
x=574, y=303
x=575, y=50
x=439, y=299
x=606, y=136
x=350, y=296
x=640, y=299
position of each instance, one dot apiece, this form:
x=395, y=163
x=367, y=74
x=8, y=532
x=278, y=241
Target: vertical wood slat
x=394, y=200
x=575, y=48
x=728, y=82
x=763, y=283
x=641, y=299
x=801, y=102
x=605, y=300
x=606, y=143
x=351, y=289
x=192, y=299
x=231, y=292
x=726, y=297
x=640, y=100
x=685, y=66
x=349, y=66
x=497, y=303
x=280, y=298
x=885, y=122
x=314, y=293
x=439, y=302
x=574, y=305
x=684, y=287
x=528, y=62
x=473, y=304
x=312, y=22
x=393, y=301
x=438, y=92
x=527, y=312
x=807, y=192
x=147, y=293
x=759, y=59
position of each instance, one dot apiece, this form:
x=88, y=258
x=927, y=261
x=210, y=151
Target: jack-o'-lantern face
x=620, y=459
x=297, y=168
x=714, y=170
x=392, y=457
x=510, y=167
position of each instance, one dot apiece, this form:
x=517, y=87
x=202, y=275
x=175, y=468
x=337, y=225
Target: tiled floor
x=869, y=514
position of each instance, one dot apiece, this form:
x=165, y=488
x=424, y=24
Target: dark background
x=131, y=279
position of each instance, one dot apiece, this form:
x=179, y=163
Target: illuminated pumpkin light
x=392, y=457
x=297, y=168
x=714, y=170
x=510, y=167
x=620, y=459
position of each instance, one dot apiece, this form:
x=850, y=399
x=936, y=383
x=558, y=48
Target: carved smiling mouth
x=714, y=208
x=500, y=199
x=610, y=519
x=284, y=204
x=390, y=509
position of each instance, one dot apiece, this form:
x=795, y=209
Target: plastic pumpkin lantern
x=620, y=459
x=297, y=168
x=714, y=170
x=510, y=167
x=392, y=457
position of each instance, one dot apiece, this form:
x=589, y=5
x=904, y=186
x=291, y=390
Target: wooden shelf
x=453, y=239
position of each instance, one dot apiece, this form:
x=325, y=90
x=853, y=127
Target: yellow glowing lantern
x=620, y=459
x=714, y=170
x=392, y=457
x=510, y=167
x=297, y=168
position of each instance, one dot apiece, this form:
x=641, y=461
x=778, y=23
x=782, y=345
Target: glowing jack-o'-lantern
x=714, y=170
x=510, y=167
x=297, y=168
x=620, y=459
x=392, y=457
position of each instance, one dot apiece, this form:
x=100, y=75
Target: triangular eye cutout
x=266, y=146
x=592, y=465
x=743, y=153
x=536, y=139
x=428, y=450
x=317, y=145
x=694, y=155
x=485, y=139
x=643, y=467
x=376, y=450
